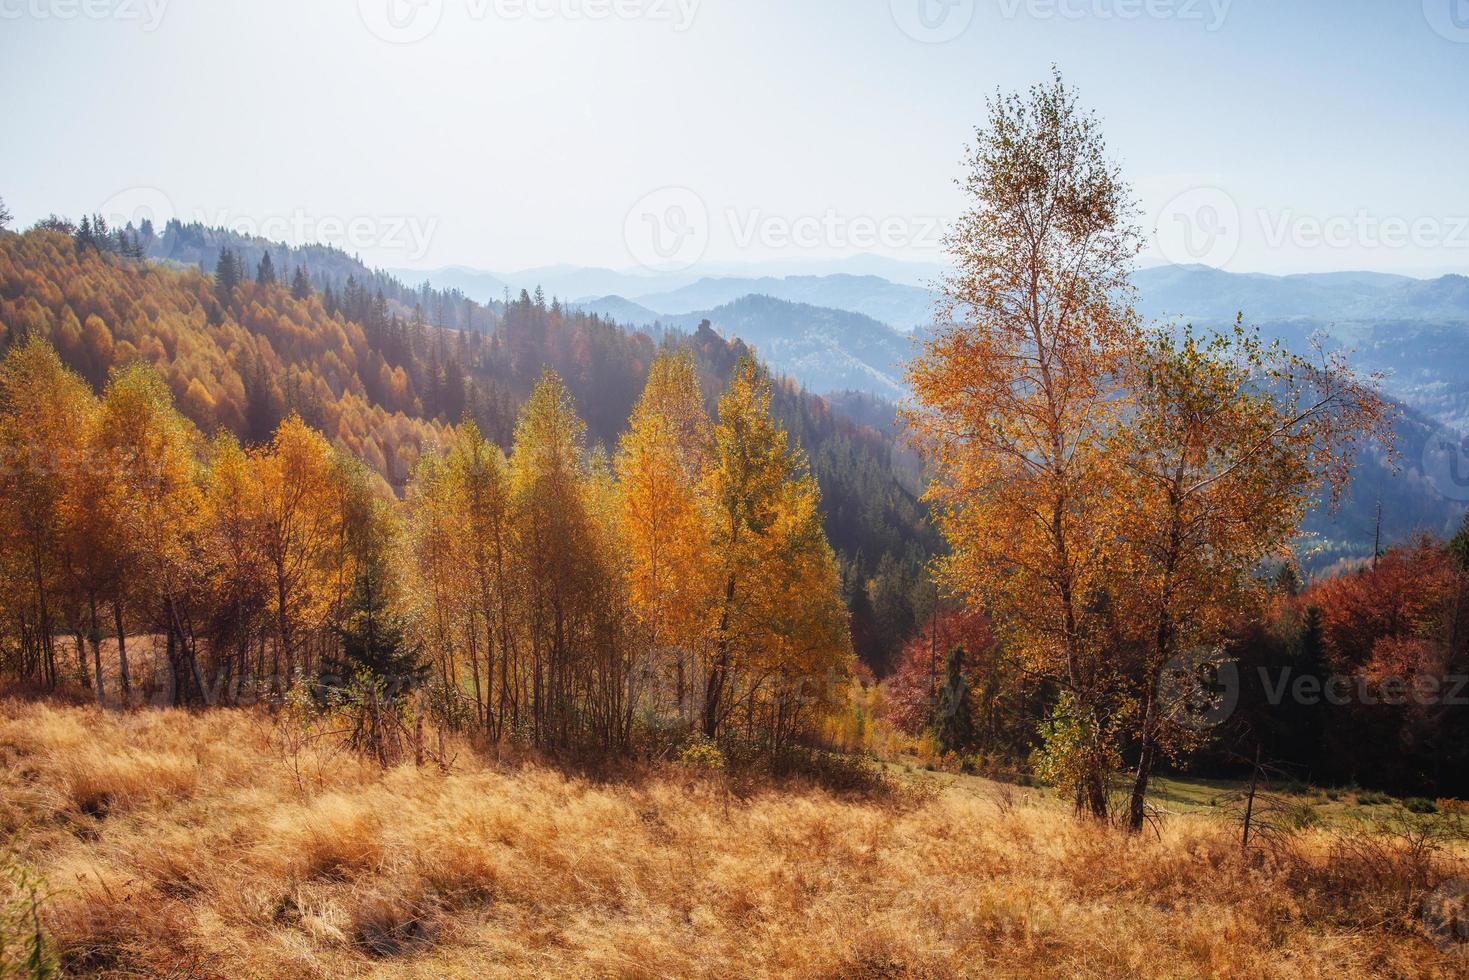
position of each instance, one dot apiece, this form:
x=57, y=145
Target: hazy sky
x=1262, y=135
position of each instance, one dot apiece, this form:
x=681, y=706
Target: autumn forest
x=444, y=572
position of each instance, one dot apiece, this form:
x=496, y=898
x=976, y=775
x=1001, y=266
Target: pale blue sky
x=519, y=133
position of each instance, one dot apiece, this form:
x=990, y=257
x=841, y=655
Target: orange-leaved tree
x=1227, y=442
x=1018, y=390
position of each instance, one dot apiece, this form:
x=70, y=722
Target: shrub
x=1417, y=804
x=24, y=948
x=703, y=755
x=1373, y=798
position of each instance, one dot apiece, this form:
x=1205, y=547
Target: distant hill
x=898, y=306
x=827, y=350
x=1414, y=331
x=1202, y=292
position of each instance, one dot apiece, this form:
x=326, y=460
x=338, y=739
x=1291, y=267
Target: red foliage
x=909, y=690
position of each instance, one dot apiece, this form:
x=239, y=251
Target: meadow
x=234, y=843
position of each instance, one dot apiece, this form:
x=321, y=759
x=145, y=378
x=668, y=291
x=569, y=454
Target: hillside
x=826, y=349
x=898, y=306
x=227, y=844
x=384, y=385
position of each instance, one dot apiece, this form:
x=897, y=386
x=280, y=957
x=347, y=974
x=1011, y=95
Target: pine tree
x=953, y=724
x=373, y=637
x=226, y=276
x=265, y=271
x=300, y=285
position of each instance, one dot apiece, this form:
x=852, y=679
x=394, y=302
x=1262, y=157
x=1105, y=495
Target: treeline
x=1360, y=678
x=554, y=595
x=259, y=341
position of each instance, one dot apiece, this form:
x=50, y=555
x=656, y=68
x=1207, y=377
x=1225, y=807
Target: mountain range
x=841, y=331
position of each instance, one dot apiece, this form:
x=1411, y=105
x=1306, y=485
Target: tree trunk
x=122, y=650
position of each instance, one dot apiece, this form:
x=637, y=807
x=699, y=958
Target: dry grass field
x=210, y=845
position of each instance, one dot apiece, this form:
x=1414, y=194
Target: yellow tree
x=154, y=455
x=798, y=647
x=1017, y=391
x=96, y=549
x=237, y=575
x=660, y=468
x=556, y=550
x=463, y=555
x=45, y=411
x=1228, y=441
x=484, y=550
x=775, y=572
x=301, y=535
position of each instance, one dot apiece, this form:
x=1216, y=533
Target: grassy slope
x=205, y=845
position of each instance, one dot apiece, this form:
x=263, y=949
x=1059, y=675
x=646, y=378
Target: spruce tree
x=373, y=638
x=300, y=285
x=226, y=276
x=953, y=724
x=265, y=271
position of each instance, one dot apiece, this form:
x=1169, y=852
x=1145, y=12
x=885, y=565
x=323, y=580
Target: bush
x=1373, y=798
x=703, y=755
x=24, y=949
x=1417, y=804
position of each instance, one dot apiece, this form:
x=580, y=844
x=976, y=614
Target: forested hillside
x=257, y=341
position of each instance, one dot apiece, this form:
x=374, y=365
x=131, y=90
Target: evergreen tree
x=265, y=271
x=953, y=723
x=300, y=285
x=1459, y=546
x=374, y=638
x=226, y=276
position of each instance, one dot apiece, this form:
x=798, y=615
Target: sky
x=1258, y=135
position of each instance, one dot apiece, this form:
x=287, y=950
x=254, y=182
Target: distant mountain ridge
x=898, y=306
x=1201, y=291
x=827, y=350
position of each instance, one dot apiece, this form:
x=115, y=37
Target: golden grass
x=219, y=853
